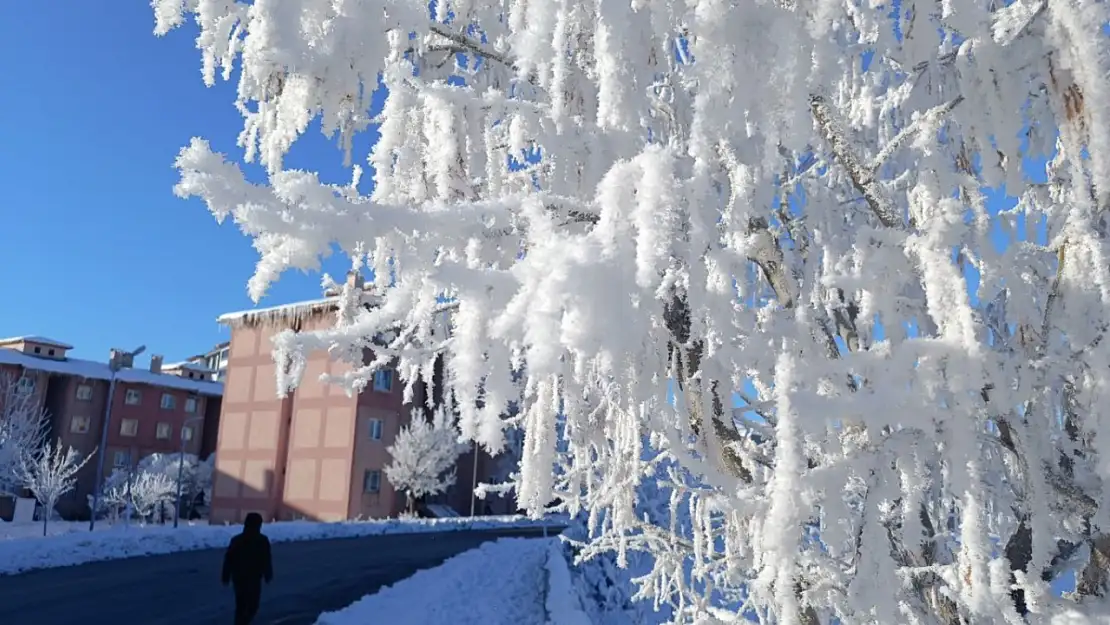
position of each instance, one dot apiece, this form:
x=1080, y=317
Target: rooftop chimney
x=156, y=363
x=354, y=279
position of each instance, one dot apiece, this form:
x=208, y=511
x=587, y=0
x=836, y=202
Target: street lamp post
x=114, y=366
x=181, y=468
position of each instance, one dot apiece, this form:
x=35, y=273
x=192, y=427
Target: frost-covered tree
x=49, y=473
x=24, y=425
x=149, y=493
x=151, y=487
x=113, y=495
x=638, y=214
x=423, y=456
x=196, y=475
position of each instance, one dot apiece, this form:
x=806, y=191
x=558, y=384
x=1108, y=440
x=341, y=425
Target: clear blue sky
x=95, y=250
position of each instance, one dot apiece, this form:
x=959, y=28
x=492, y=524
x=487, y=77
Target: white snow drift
x=498, y=583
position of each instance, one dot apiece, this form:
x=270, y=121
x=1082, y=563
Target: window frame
x=84, y=387
x=77, y=418
x=380, y=423
x=123, y=432
x=366, y=475
x=165, y=426
x=387, y=375
x=132, y=392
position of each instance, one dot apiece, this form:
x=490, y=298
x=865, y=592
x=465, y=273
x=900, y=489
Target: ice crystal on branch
x=641, y=214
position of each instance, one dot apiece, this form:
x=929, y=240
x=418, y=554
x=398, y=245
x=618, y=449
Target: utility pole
x=114, y=365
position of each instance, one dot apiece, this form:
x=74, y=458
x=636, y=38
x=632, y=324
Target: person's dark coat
x=246, y=564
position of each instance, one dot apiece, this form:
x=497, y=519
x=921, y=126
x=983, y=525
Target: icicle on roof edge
x=279, y=315
x=287, y=314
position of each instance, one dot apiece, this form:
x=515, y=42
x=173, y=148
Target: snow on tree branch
x=49, y=473
x=422, y=458
x=614, y=220
x=24, y=425
x=149, y=492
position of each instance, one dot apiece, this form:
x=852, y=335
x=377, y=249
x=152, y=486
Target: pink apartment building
x=316, y=453
x=152, y=410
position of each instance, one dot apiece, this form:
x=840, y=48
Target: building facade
x=315, y=453
x=152, y=410
x=215, y=360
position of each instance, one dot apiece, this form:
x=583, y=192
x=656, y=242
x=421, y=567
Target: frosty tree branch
x=670, y=223
x=24, y=425
x=49, y=473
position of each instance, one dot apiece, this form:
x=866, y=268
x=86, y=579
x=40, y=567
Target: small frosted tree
x=23, y=429
x=150, y=491
x=196, y=475
x=423, y=457
x=50, y=474
x=113, y=496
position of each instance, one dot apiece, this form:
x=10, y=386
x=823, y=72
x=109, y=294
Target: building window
x=372, y=481
x=383, y=380
x=78, y=424
x=163, y=430
x=121, y=459
x=129, y=427
x=187, y=433
x=169, y=402
x=26, y=385
x=376, y=429
x=190, y=404
x=84, y=392
x=50, y=352
x=133, y=397
x=38, y=350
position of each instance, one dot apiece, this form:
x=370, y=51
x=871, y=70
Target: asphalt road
x=184, y=588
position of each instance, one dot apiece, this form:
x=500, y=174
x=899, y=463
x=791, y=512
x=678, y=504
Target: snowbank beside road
x=499, y=583
x=562, y=600
x=24, y=553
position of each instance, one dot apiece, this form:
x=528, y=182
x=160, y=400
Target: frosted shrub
x=628, y=216
x=422, y=459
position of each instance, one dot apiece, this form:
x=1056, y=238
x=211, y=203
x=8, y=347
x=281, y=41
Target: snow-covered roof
x=41, y=340
x=193, y=366
x=220, y=347
x=285, y=313
x=100, y=371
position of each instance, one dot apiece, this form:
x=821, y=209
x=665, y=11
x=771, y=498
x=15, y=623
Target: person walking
x=246, y=564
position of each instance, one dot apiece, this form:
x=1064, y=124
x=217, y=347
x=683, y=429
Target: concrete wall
x=318, y=478
x=253, y=432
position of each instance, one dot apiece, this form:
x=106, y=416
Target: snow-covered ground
x=507, y=582
x=499, y=583
x=23, y=548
